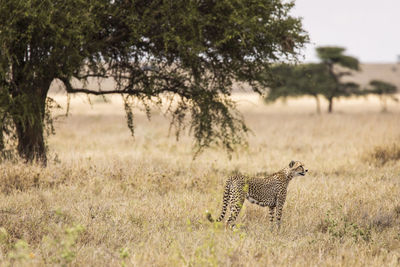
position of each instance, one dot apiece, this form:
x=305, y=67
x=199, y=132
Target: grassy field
x=107, y=199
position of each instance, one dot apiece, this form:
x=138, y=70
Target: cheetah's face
x=297, y=168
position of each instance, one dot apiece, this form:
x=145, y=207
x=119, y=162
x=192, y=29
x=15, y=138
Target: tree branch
x=72, y=90
x=91, y=75
x=88, y=91
x=344, y=73
x=127, y=90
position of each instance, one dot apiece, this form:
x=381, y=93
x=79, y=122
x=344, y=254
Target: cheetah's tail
x=209, y=217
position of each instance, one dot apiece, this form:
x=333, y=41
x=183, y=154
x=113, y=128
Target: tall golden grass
x=107, y=199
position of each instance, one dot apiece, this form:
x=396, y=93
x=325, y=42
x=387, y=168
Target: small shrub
x=123, y=254
x=338, y=228
x=5, y=239
x=382, y=221
x=397, y=210
x=381, y=155
x=20, y=253
x=69, y=243
x=62, y=246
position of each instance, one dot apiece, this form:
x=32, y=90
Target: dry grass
x=108, y=200
x=383, y=154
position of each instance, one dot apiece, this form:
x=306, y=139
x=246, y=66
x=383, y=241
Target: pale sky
x=369, y=29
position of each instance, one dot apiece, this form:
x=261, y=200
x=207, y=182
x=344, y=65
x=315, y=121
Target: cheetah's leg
x=271, y=217
x=271, y=214
x=280, y=202
x=236, y=206
x=225, y=201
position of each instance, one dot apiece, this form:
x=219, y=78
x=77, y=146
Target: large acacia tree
x=192, y=50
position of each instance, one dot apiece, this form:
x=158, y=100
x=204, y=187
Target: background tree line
x=325, y=79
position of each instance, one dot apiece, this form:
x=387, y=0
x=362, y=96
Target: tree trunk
x=330, y=106
x=29, y=124
x=318, y=104
x=1, y=138
x=384, y=104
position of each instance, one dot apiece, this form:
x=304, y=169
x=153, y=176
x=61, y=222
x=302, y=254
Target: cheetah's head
x=297, y=168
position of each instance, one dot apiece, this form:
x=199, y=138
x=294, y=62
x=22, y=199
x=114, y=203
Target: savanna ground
x=106, y=199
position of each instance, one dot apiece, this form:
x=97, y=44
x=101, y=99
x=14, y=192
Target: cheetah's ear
x=291, y=164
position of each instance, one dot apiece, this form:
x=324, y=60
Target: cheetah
x=268, y=191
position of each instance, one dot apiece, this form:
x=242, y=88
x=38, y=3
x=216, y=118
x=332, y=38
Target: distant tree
x=338, y=65
x=299, y=80
x=384, y=90
x=189, y=51
x=323, y=78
